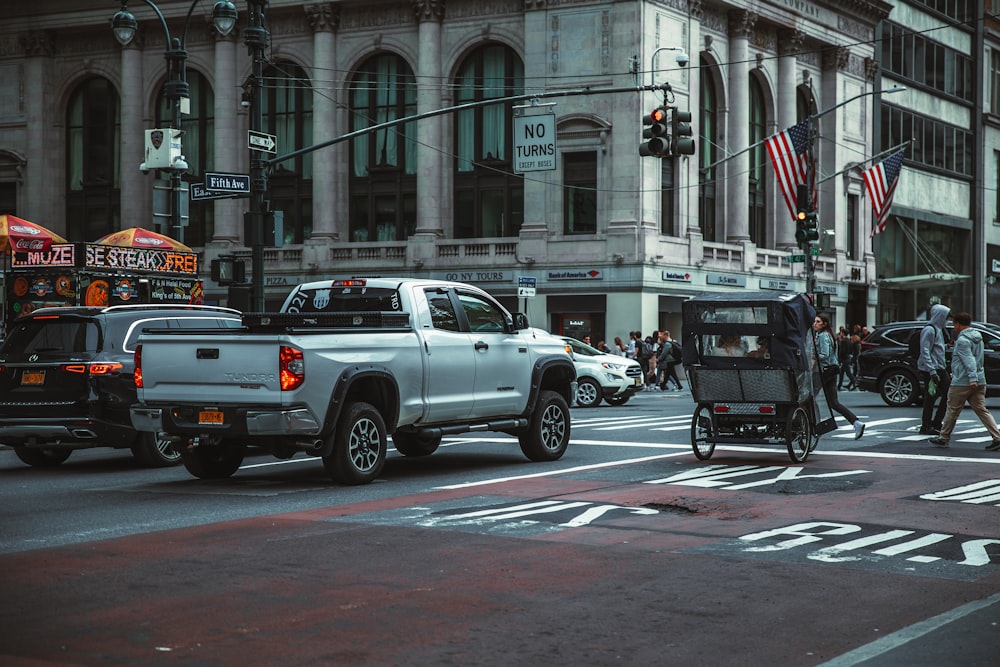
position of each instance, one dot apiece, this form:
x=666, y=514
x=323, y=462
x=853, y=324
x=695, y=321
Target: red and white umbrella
x=17, y=235
x=137, y=237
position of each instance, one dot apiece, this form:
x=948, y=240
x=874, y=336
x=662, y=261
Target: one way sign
x=268, y=143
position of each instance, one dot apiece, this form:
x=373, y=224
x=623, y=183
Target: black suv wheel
x=899, y=388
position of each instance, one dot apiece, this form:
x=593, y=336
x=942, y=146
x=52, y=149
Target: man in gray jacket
x=931, y=364
x=968, y=383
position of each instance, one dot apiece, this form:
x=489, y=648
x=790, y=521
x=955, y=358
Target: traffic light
x=806, y=229
x=655, y=133
x=680, y=133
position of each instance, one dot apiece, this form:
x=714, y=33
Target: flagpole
x=873, y=158
x=813, y=117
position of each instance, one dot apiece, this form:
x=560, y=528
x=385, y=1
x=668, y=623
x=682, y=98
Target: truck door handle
x=207, y=353
x=482, y=345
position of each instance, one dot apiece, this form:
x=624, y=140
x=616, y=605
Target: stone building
x=614, y=241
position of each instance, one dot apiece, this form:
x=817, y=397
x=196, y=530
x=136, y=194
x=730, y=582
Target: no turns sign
x=534, y=143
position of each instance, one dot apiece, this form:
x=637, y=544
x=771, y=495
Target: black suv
x=66, y=379
x=885, y=366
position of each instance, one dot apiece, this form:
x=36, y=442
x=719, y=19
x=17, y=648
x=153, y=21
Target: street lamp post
x=257, y=38
x=176, y=89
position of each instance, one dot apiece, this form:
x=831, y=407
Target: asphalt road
x=882, y=551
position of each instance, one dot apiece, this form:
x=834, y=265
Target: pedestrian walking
x=667, y=360
x=843, y=357
x=826, y=356
x=619, y=347
x=933, y=369
x=968, y=383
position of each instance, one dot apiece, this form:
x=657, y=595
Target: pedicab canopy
x=748, y=330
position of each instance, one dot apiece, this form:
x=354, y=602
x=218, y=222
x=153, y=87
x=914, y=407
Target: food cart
x=94, y=274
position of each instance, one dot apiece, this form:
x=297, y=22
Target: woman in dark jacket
x=826, y=355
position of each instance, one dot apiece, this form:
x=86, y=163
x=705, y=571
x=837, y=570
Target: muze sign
x=534, y=143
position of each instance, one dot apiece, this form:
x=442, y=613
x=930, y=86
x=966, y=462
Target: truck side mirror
x=520, y=321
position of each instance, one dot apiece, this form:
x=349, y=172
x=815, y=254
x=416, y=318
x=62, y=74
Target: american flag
x=880, y=182
x=790, y=154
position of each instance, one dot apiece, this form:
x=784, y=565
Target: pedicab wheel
x=799, y=435
x=702, y=433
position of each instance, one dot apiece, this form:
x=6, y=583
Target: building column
x=44, y=193
x=741, y=24
x=688, y=176
x=324, y=19
x=832, y=203
x=789, y=43
x=430, y=160
x=228, y=212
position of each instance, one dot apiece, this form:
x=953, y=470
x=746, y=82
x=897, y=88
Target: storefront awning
x=921, y=280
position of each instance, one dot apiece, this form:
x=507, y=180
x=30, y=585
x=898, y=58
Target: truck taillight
x=292, y=367
x=138, y=366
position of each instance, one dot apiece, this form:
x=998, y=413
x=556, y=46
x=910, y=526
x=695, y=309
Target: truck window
x=335, y=299
x=442, y=312
x=482, y=315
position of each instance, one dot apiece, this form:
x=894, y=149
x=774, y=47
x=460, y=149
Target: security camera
x=143, y=168
x=682, y=59
x=245, y=104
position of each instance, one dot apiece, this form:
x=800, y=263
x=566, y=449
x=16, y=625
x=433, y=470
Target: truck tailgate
x=225, y=368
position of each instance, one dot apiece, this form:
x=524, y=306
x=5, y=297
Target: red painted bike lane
x=746, y=560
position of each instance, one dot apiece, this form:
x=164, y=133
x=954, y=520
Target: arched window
x=199, y=152
x=384, y=162
x=708, y=153
x=489, y=197
x=93, y=137
x=758, y=164
x=287, y=110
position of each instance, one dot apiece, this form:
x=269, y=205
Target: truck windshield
x=342, y=299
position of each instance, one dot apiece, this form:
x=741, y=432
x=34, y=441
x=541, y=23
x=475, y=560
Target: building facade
x=614, y=241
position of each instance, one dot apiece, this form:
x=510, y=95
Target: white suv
x=600, y=375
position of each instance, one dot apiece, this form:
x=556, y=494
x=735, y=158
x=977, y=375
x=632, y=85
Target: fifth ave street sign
x=534, y=143
x=216, y=182
x=267, y=143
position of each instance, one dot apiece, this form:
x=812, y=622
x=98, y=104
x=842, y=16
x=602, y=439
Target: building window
x=996, y=190
x=93, y=137
x=199, y=152
x=925, y=62
x=287, y=110
x=947, y=148
x=758, y=162
x=850, y=243
x=383, y=163
x=994, y=90
x=708, y=124
x=489, y=198
x=580, y=192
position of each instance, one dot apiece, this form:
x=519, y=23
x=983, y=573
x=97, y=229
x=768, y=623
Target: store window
x=287, y=110
x=93, y=137
x=383, y=163
x=489, y=197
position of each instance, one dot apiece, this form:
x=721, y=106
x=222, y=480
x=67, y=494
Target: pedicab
x=749, y=362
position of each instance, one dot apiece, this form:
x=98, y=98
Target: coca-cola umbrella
x=137, y=237
x=17, y=235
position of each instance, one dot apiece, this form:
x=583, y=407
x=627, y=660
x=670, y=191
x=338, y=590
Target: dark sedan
x=885, y=365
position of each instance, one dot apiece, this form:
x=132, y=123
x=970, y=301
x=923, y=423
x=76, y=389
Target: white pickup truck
x=345, y=364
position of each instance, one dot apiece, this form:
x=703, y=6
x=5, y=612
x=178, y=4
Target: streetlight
x=257, y=38
x=176, y=89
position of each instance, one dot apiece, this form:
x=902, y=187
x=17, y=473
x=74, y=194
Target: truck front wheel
x=214, y=461
x=360, y=442
x=547, y=435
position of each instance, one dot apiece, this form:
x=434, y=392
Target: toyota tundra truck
x=344, y=365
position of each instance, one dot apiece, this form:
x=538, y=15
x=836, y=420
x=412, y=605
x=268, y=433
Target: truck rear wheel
x=415, y=444
x=359, y=446
x=214, y=461
x=153, y=451
x=547, y=435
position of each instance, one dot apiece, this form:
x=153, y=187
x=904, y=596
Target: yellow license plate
x=33, y=377
x=211, y=417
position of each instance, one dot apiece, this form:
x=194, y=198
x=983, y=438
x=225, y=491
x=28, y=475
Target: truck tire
x=42, y=458
x=152, y=451
x=415, y=444
x=359, y=446
x=214, y=461
x=547, y=436
x=588, y=393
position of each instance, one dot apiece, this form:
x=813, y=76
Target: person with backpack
x=968, y=383
x=667, y=360
x=931, y=366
